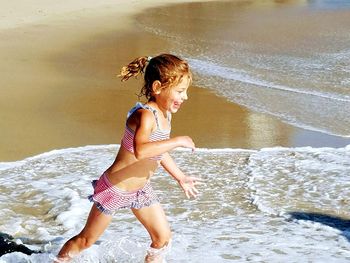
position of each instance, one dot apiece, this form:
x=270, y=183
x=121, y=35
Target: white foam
x=285, y=179
x=239, y=229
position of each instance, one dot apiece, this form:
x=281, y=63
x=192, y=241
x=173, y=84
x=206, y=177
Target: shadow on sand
x=332, y=221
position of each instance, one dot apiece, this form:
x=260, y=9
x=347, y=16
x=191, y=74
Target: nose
x=184, y=96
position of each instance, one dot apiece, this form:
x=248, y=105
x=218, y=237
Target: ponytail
x=134, y=68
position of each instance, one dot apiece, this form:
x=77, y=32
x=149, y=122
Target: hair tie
x=149, y=59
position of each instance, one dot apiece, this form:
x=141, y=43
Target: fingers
x=190, y=193
x=187, y=142
x=193, y=191
x=189, y=186
x=192, y=147
x=199, y=183
x=191, y=144
x=196, y=180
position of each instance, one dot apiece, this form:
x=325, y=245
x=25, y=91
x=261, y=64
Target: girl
x=144, y=146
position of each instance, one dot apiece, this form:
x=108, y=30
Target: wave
x=212, y=69
x=114, y=147
x=314, y=179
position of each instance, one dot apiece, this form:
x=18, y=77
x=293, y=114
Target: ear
x=156, y=87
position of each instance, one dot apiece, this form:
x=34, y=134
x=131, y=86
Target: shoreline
x=61, y=90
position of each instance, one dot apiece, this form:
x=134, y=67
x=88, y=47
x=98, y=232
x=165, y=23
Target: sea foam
x=274, y=204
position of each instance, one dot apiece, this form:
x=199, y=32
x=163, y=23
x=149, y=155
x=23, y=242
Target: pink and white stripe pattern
x=108, y=198
x=158, y=135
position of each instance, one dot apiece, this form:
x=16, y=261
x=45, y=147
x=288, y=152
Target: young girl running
x=144, y=146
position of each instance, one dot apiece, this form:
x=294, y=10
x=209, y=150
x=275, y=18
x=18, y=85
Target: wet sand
x=60, y=90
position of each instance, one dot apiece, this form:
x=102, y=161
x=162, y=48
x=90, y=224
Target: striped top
x=158, y=135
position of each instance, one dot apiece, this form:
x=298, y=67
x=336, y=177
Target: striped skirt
x=109, y=198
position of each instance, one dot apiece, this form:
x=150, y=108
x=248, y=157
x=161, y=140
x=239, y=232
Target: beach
x=268, y=110
x=60, y=87
x=59, y=73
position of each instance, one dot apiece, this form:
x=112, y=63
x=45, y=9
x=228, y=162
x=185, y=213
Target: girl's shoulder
x=144, y=113
x=138, y=106
x=140, y=114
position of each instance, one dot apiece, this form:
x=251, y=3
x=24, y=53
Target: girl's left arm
x=187, y=183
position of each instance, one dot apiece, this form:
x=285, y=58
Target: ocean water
x=268, y=205
x=288, y=59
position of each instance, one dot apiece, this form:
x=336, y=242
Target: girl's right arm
x=143, y=148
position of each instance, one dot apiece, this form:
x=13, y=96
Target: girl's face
x=170, y=99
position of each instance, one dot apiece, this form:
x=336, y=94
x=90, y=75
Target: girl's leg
x=154, y=220
x=96, y=223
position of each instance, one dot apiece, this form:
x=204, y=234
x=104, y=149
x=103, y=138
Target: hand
x=188, y=185
x=186, y=141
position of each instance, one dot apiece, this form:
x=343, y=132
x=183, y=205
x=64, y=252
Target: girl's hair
x=166, y=68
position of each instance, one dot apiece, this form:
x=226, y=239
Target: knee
x=161, y=240
x=83, y=242
x=74, y=246
x=87, y=242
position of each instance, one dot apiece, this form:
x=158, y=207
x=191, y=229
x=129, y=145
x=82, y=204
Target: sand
x=42, y=108
x=58, y=64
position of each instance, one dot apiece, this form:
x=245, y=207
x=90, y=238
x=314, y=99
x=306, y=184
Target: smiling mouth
x=177, y=104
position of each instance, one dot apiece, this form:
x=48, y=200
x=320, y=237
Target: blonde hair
x=166, y=68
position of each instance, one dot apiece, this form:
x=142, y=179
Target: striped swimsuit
x=107, y=197
x=157, y=135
